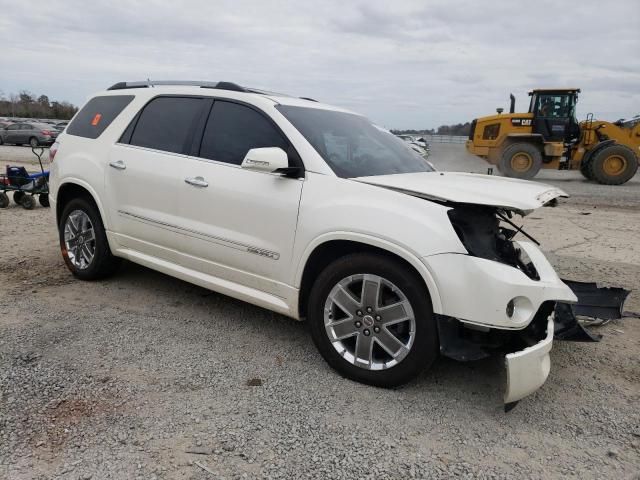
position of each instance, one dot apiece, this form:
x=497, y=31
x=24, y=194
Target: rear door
x=144, y=176
x=238, y=224
x=26, y=132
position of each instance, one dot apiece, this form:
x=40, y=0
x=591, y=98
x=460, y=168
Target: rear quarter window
x=167, y=124
x=97, y=115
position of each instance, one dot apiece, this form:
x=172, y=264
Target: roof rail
x=192, y=83
x=309, y=98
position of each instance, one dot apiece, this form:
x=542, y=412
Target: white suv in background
x=313, y=212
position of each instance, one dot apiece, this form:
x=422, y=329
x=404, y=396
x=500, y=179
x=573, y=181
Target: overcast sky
x=405, y=64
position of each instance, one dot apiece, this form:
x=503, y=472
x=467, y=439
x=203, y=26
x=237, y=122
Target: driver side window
x=232, y=130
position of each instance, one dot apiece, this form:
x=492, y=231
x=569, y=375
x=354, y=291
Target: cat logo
x=521, y=122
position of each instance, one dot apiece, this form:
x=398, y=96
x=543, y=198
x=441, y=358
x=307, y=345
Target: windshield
x=353, y=146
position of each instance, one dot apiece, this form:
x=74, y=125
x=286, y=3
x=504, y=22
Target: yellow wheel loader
x=548, y=136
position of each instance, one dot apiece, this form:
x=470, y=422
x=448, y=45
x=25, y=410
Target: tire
x=17, y=197
x=33, y=142
x=4, y=200
x=1, y=141
x=585, y=169
x=28, y=202
x=422, y=348
x=613, y=165
x=520, y=160
x=43, y=198
x=102, y=263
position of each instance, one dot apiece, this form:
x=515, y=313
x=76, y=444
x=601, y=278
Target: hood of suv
x=520, y=196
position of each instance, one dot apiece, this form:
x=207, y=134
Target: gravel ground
x=145, y=376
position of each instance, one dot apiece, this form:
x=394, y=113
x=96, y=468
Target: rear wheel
x=371, y=319
x=33, y=142
x=520, y=160
x=4, y=200
x=43, y=198
x=613, y=165
x=83, y=241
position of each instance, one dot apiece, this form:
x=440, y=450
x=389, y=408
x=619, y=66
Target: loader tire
x=613, y=165
x=585, y=169
x=520, y=160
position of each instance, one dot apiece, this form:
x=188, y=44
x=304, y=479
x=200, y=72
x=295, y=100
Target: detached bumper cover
x=528, y=369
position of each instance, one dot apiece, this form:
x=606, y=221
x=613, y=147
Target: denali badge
x=264, y=253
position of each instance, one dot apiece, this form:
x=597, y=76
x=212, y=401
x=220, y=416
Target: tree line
x=27, y=105
x=461, y=129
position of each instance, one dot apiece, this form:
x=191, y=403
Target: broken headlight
x=480, y=231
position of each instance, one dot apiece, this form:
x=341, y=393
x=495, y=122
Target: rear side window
x=97, y=115
x=233, y=130
x=167, y=123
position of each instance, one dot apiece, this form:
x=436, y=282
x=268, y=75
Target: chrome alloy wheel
x=369, y=321
x=79, y=239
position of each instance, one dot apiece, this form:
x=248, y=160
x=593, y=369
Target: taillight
x=46, y=132
x=53, y=150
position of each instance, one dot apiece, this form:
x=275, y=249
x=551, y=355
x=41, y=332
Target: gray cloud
x=404, y=64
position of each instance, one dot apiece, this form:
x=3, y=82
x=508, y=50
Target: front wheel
x=371, y=319
x=520, y=160
x=83, y=241
x=43, y=198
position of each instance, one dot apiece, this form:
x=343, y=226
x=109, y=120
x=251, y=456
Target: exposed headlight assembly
x=480, y=231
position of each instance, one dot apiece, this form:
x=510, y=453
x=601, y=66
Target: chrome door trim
x=203, y=236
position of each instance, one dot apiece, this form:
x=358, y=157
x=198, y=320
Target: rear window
x=167, y=123
x=97, y=115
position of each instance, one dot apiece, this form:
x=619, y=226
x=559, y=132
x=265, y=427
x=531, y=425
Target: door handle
x=119, y=165
x=197, y=182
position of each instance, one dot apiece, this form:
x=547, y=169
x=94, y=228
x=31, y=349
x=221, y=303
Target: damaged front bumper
x=528, y=369
x=506, y=311
x=493, y=294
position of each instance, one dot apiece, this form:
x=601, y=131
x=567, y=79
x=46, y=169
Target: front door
x=14, y=133
x=239, y=224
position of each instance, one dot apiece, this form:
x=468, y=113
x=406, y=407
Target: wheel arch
x=532, y=138
x=599, y=146
x=74, y=188
x=330, y=247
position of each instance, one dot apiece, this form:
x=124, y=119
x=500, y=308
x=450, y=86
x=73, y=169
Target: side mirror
x=266, y=159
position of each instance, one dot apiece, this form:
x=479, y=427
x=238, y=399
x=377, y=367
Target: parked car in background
x=34, y=134
x=60, y=126
x=5, y=124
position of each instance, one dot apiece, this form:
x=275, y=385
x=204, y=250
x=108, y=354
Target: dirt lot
x=142, y=376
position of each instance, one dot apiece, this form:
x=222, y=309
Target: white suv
x=313, y=212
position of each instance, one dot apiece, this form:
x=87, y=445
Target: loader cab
x=554, y=114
